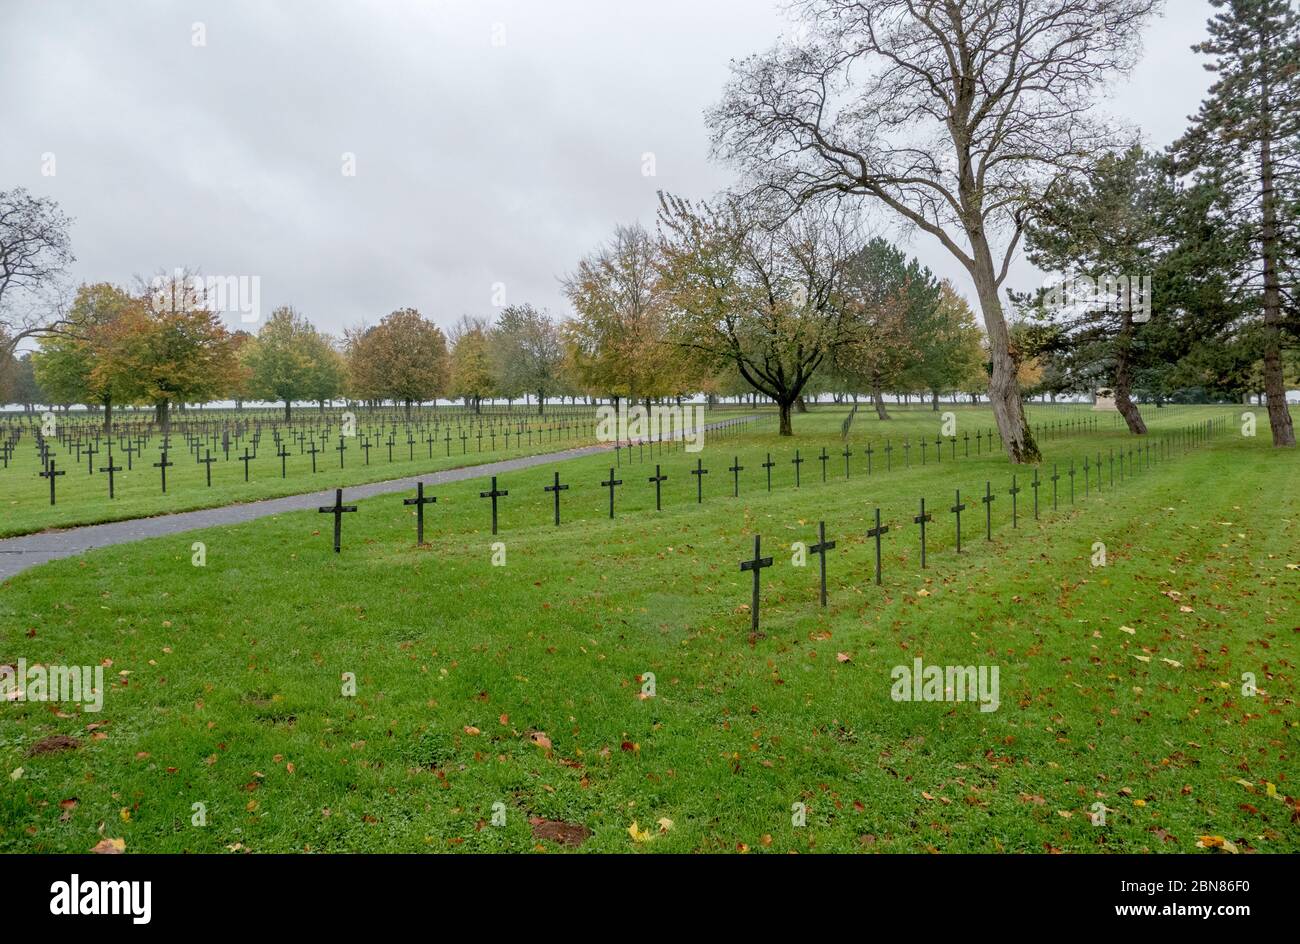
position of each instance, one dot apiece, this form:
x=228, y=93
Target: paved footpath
x=18, y=554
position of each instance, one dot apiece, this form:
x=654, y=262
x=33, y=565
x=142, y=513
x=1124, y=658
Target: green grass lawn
x=82, y=497
x=517, y=688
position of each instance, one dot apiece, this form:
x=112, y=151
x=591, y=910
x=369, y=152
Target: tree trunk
x=934, y=400
x=800, y=405
x=541, y=403
x=878, y=398
x=286, y=409
x=1124, y=382
x=1004, y=391
x=108, y=415
x=1279, y=416
x=161, y=415
x=784, y=407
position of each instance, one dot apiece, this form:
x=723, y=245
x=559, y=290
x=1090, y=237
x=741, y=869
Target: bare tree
x=34, y=251
x=955, y=114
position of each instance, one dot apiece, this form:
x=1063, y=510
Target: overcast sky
x=493, y=142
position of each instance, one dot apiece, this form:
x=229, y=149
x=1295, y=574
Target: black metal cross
x=657, y=478
x=50, y=474
x=110, y=469
x=283, y=454
x=556, y=489
x=340, y=449
x=756, y=565
x=338, y=509
x=846, y=453
x=1087, y=478
x=610, y=485
x=206, y=462
x=768, y=465
x=1055, y=477
x=90, y=455
x=494, y=494
x=313, y=450
x=1071, y=473
x=1013, y=491
x=957, y=509
x=797, y=461
x=823, y=457
x=889, y=459
x=161, y=466
x=876, y=533
x=820, y=549
x=1034, y=485
x=988, y=500
x=699, y=472
x=419, y=501
x=130, y=450
x=245, y=458
x=922, y=519
x=735, y=469
x=870, y=452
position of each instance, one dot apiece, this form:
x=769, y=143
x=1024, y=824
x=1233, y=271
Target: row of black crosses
x=720, y=430
x=133, y=438
x=429, y=430
x=92, y=427
x=51, y=473
x=1144, y=457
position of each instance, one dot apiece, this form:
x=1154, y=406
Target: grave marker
x=658, y=478
x=699, y=472
x=756, y=565
x=957, y=509
x=922, y=519
x=556, y=489
x=820, y=549
x=876, y=533
x=419, y=501
x=610, y=484
x=206, y=462
x=988, y=500
x=50, y=474
x=338, y=509
x=162, y=467
x=494, y=493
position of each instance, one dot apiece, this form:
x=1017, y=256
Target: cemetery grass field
x=520, y=684
x=82, y=497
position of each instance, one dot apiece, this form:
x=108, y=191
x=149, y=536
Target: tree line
x=972, y=123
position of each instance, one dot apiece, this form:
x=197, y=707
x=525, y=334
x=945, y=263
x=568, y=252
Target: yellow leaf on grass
x=1216, y=842
x=637, y=833
x=109, y=847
